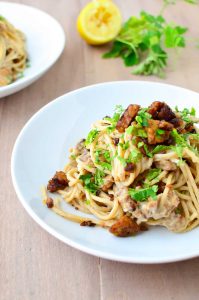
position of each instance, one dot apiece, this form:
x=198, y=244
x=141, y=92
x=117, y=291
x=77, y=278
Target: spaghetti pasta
x=138, y=168
x=13, y=55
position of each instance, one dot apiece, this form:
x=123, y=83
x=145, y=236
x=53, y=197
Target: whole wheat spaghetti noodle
x=137, y=169
x=13, y=55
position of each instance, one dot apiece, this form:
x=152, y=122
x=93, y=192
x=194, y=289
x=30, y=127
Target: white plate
x=45, y=41
x=42, y=147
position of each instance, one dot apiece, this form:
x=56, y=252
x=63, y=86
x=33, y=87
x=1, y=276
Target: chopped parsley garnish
x=122, y=160
x=143, y=117
x=105, y=166
x=118, y=111
x=160, y=148
x=124, y=146
x=146, y=149
x=143, y=194
x=178, y=138
x=148, y=153
x=92, y=184
x=186, y=113
x=103, y=158
x=134, y=156
x=129, y=130
x=89, y=183
x=97, y=155
x=99, y=175
x=73, y=156
x=91, y=136
x=140, y=144
x=152, y=174
x=136, y=131
x=107, y=156
x=160, y=132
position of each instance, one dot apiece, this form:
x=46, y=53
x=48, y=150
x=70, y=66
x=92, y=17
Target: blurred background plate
x=45, y=41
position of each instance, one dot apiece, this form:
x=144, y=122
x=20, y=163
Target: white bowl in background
x=45, y=40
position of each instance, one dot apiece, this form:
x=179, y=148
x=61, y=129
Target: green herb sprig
x=93, y=183
x=141, y=195
x=142, y=42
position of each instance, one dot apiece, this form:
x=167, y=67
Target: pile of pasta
x=13, y=55
x=136, y=169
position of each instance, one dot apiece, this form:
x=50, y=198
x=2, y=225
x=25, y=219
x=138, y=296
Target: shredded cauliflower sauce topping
x=136, y=169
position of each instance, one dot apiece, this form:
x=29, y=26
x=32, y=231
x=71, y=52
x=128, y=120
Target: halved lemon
x=99, y=22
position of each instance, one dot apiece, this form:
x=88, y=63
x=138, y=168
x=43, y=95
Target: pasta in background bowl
x=39, y=38
x=36, y=157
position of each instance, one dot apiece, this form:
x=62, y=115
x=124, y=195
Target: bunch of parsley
x=142, y=42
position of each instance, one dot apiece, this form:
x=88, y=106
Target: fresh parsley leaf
x=92, y=184
x=91, y=136
x=124, y=146
x=178, y=138
x=107, y=156
x=148, y=153
x=143, y=194
x=179, y=150
x=143, y=117
x=98, y=177
x=89, y=183
x=152, y=174
x=160, y=132
x=118, y=111
x=136, y=131
x=129, y=130
x=173, y=36
x=105, y=166
x=140, y=144
x=122, y=160
x=193, y=112
x=97, y=155
x=142, y=41
x=186, y=113
x=134, y=156
x=160, y=148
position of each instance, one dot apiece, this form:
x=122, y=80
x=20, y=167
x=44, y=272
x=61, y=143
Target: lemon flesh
x=99, y=22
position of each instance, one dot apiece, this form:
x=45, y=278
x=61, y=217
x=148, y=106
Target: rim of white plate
x=44, y=68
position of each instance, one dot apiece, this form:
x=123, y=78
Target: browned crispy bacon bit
x=161, y=187
x=177, y=122
x=116, y=141
x=129, y=167
x=161, y=111
x=143, y=227
x=155, y=136
x=127, y=117
x=49, y=202
x=87, y=223
x=125, y=226
x=58, y=182
x=190, y=128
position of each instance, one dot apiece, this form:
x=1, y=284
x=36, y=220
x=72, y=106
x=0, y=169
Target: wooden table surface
x=35, y=265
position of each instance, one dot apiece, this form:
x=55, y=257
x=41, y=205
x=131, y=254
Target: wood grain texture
x=33, y=264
